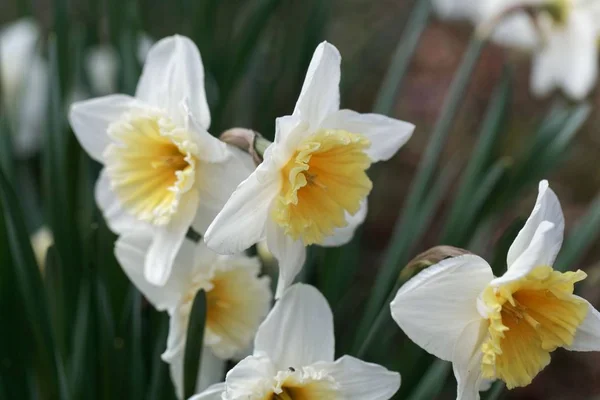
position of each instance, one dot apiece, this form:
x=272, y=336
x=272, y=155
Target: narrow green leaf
x=32, y=290
x=466, y=224
x=137, y=373
x=194, y=344
x=17, y=345
x=54, y=281
x=480, y=159
x=427, y=213
x=416, y=24
x=6, y=147
x=432, y=382
x=105, y=334
x=56, y=189
x=61, y=29
x=583, y=235
x=397, y=253
x=160, y=370
x=81, y=363
x=242, y=49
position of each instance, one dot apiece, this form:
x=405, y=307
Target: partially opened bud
x=247, y=140
x=430, y=257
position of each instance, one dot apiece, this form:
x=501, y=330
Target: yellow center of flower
x=237, y=300
x=305, y=384
x=528, y=319
x=323, y=180
x=150, y=165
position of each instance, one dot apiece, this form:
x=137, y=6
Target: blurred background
x=256, y=53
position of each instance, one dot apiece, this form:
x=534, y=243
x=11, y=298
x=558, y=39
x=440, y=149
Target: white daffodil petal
x=579, y=55
x=211, y=372
x=515, y=30
x=219, y=181
x=544, y=71
x=209, y=148
x=212, y=393
x=541, y=251
x=359, y=380
x=117, y=219
x=386, y=134
x=241, y=222
x=173, y=72
x=320, y=95
x=587, y=337
x=466, y=360
x=547, y=208
x=167, y=241
x=131, y=250
x=248, y=376
x=298, y=331
x=434, y=307
x=341, y=236
x=90, y=119
x=453, y=9
x=290, y=255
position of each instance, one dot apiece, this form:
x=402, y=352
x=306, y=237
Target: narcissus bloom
x=501, y=328
x=312, y=186
x=24, y=83
x=237, y=301
x=293, y=359
x=162, y=170
x=561, y=34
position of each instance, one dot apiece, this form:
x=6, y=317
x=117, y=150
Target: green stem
x=399, y=250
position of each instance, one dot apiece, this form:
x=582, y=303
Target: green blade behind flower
x=194, y=344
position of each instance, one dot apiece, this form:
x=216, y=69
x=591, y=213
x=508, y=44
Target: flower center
x=304, y=384
x=322, y=181
x=150, y=164
x=528, y=319
x=237, y=300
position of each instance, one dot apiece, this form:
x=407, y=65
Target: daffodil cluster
x=166, y=182
x=165, y=176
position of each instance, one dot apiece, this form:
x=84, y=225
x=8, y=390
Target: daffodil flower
x=561, y=34
x=501, y=328
x=293, y=359
x=237, y=300
x=312, y=186
x=162, y=170
x=460, y=9
x=24, y=83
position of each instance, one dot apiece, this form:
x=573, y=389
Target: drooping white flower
x=24, y=83
x=312, y=186
x=561, y=34
x=162, y=170
x=501, y=328
x=294, y=359
x=237, y=301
